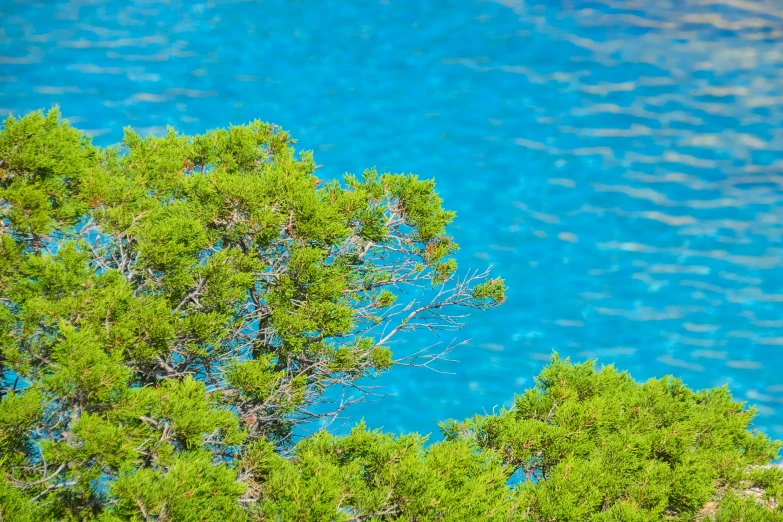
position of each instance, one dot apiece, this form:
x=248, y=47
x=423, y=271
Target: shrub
x=584, y=444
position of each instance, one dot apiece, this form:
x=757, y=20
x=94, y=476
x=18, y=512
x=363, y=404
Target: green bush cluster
x=174, y=308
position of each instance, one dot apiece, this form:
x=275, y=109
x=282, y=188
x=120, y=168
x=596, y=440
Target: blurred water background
x=620, y=162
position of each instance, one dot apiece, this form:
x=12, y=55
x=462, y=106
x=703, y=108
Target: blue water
x=620, y=162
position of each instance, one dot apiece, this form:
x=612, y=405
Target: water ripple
x=619, y=161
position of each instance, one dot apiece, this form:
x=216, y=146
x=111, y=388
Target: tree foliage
x=171, y=310
x=167, y=302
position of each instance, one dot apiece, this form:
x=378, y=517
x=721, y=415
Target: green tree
x=173, y=308
x=167, y=302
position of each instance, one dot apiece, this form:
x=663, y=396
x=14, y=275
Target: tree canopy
x=172, y=309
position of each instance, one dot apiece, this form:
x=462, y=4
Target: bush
x=171, y=310
x=582, y=445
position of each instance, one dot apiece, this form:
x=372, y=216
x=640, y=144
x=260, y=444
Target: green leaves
x=371, y=476
x=420, y=205
x=256, y=379
x=193, y=489
x=193, y=420
x=19, y=414
x=82, y=371
x=168, y=304
x=593, y=440
x=173, y=308
x=43, y=163
x=15, y=506
x=491, y=291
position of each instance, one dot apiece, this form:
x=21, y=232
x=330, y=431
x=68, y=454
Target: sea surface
x=619, y=162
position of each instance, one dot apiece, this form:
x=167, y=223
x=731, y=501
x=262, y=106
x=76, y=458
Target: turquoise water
x=619, y=162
